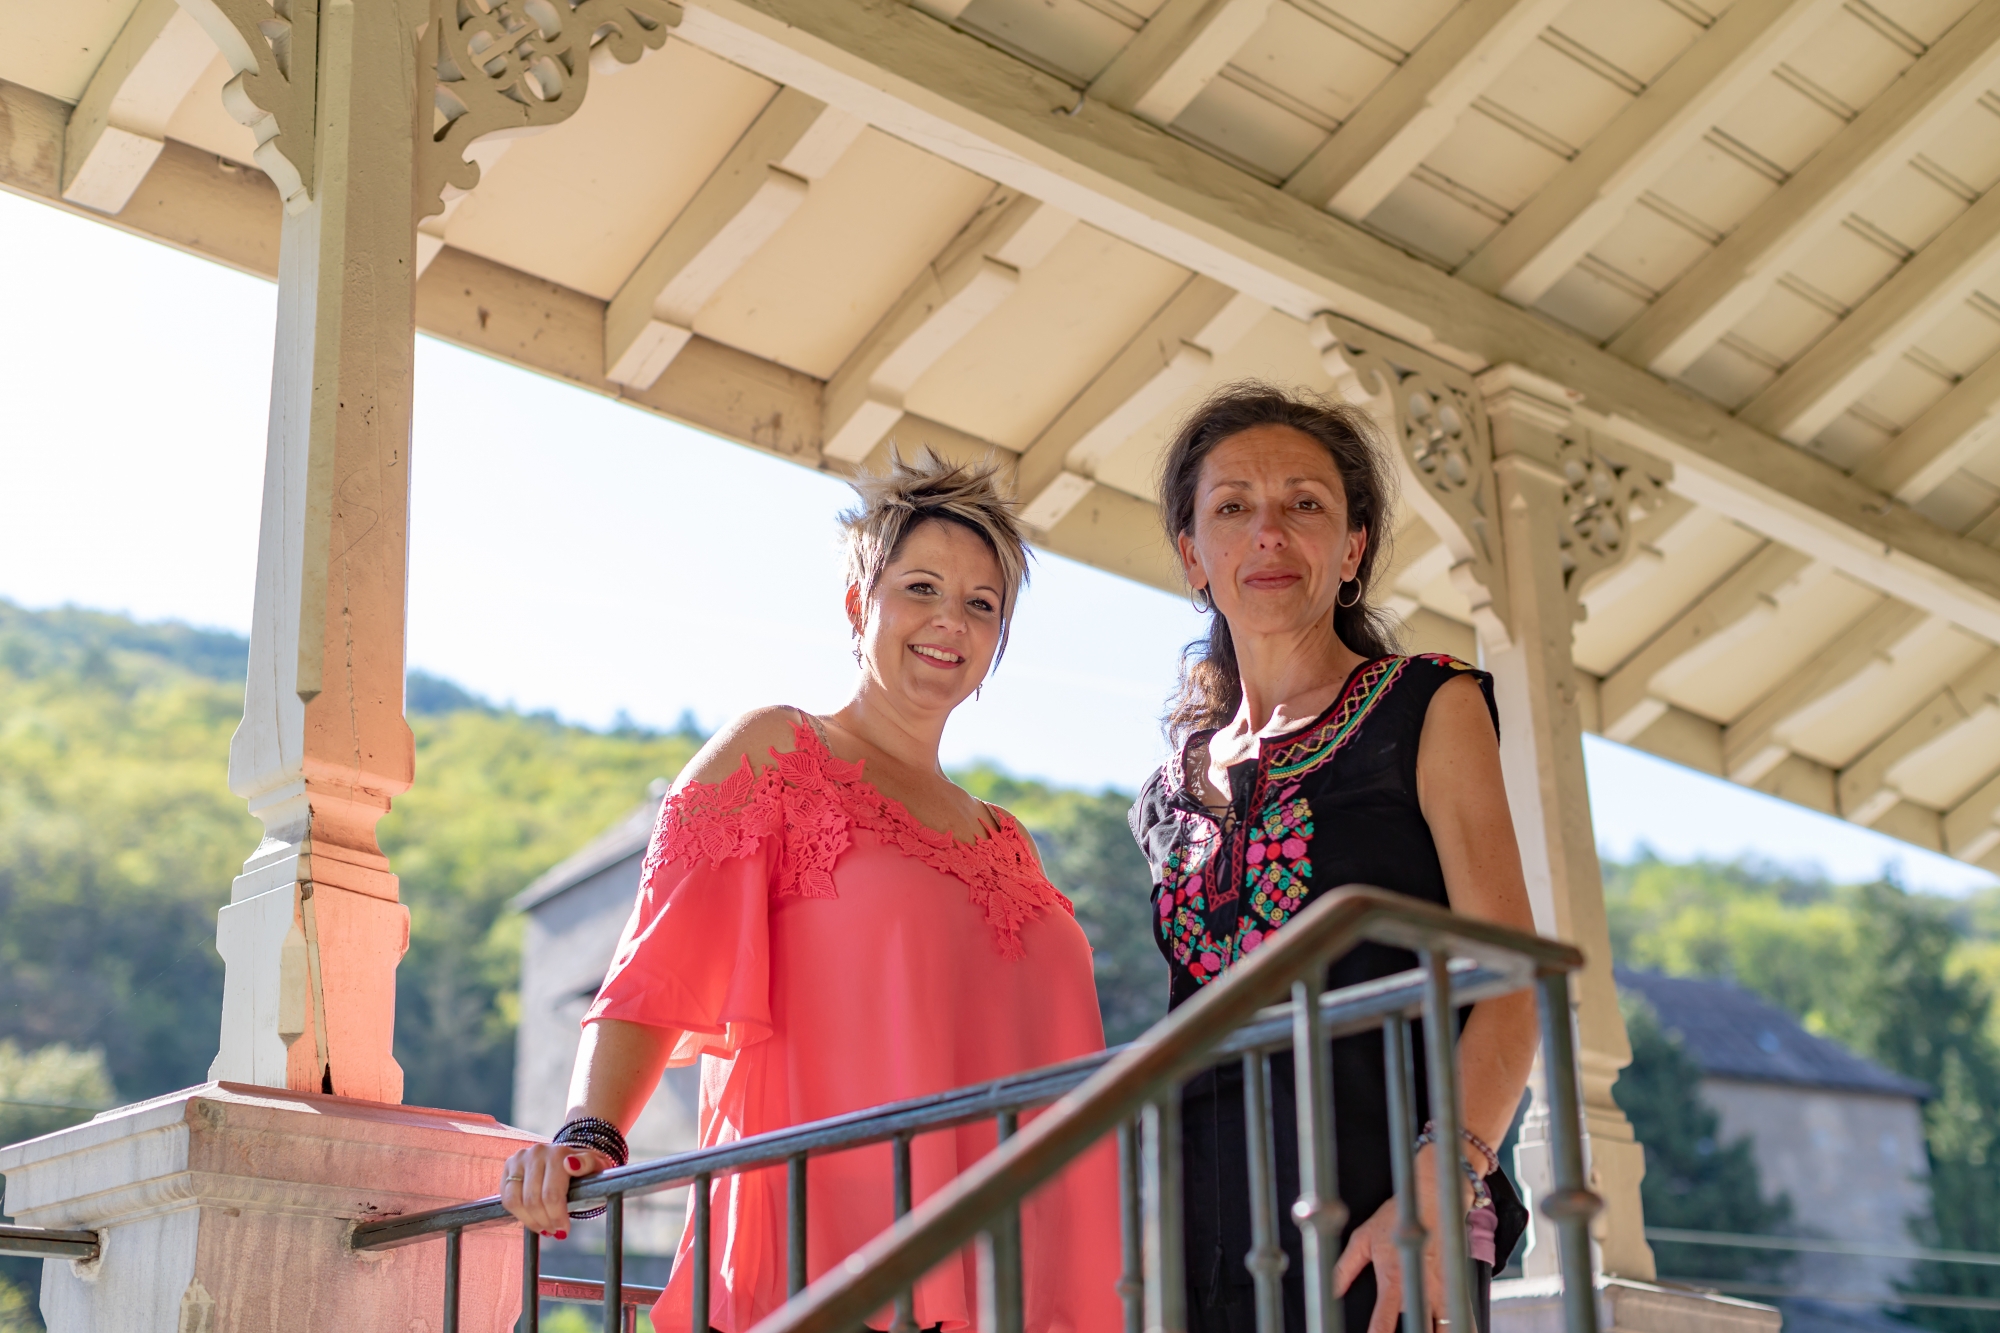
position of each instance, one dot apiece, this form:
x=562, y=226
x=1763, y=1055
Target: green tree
x=42, y=1091
x=1693, y=1179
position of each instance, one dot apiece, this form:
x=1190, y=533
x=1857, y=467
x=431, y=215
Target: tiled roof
x=1730, y=1032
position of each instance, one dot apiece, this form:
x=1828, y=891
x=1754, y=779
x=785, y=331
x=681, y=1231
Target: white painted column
x=1541, y=751
x=314, y=929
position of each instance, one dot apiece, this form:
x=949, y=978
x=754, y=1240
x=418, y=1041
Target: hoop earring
x=1202, y=600
x=1357, y=593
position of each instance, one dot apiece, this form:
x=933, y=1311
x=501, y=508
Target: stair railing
x=1271, y=1000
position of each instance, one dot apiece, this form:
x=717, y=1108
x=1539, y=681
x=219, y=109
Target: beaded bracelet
x=1482, y=1194
x=601, y=1137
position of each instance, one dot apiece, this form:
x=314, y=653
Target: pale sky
x=573, y=554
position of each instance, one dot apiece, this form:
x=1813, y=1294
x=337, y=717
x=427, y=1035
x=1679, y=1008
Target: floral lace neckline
x=810, y=800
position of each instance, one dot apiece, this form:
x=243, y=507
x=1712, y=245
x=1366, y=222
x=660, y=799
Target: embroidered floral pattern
x=1276, y=867
x=811, y=799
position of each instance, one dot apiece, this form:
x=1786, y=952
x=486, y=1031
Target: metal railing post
x=1004, y=1252
x=906, y=1299
x=1160, y=1202
x=453, y=1244
x=1441, y=1061
x=795, y=1243
x=1400, y=1058
x=1131, y=1225
x=698, y=1197
x=1266, y=1260
x=1572, y=1204
x=1319, y=1211
x=531, y=1281
x=614, y=1262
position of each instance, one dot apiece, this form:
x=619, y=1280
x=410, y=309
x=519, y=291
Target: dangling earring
x=857, y=651
x=976, y=689
x=1202, y=600
x=1357, y=593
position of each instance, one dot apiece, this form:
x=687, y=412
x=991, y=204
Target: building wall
x=569, y=942
x=1852, y=1162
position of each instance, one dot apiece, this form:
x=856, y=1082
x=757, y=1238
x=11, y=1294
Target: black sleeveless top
x=1330, y=805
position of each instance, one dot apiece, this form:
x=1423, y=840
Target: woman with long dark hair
x=1313, y=754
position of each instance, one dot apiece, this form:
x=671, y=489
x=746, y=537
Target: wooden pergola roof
x=1760, y=240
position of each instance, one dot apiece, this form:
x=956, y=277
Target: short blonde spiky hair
x=927, y=487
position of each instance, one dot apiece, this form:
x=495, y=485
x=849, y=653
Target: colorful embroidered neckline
x=1367, y=687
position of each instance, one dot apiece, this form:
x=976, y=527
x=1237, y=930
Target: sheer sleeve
x=695, y=955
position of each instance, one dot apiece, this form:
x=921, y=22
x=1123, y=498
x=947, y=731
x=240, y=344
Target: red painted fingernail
x=544, y=1233
x=573, y=1163
x=562, y=1235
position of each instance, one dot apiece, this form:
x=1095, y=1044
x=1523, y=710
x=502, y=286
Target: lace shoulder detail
x=792, y=800
x=811, y=800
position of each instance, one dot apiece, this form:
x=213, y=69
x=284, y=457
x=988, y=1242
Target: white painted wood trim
x=1417, y=106
x=1950, y=432
x=969, y=279
x=1177, y=54
x=1592, y=193
x=1864, y=788
x=1709, y=299
x=1854, y=355
x=756, y=189
x=1735, y=608
x=1753, y=745
x=120, y=123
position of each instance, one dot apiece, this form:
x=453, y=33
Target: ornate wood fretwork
x=1604, y=485
x=501, y=66
x=273, y=47
x=1438, y=420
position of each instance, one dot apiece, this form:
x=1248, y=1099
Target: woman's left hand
x=1374, y=1242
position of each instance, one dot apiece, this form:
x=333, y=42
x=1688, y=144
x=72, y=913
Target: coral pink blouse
x=820, y=952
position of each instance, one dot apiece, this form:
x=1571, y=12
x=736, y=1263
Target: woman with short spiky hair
x=827, y=922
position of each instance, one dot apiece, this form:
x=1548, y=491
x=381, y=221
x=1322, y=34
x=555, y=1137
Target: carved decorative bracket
x=1604, y=484
x=273, y=47
x=515, y=66
x=1443, y=440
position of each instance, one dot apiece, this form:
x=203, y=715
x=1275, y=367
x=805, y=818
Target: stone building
x=1840, y=1135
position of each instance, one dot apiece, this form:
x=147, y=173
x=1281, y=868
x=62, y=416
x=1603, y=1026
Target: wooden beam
x=1865, y=791
x=962, y=286
x=1164, y=359
x=120, y=123
x=1857, y=352
x=1972, y=827
x=1752, y=746
x=760, y=183
x=1413, y=110
x=1737, y=607
x=1176, y=55
x=987, y=111
x=1589, y=196
x=1948, y=434
x=1707, y=301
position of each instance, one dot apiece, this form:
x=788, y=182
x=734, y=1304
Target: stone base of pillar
x=226, y=1209
x=1535, y=1305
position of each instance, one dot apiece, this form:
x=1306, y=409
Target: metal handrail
x=1353, y=1009
x=1102, y=1094
x=48, y=1244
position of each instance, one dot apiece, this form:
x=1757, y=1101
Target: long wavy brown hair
x=1211, y=686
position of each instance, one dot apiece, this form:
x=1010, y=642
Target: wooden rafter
x=120, y=123
x=1413, y=110
x=1865, y=790
x=1707, y=300
x=1936, y=444
x=1176, y=55
x=1591, y=194
x=1858, y=351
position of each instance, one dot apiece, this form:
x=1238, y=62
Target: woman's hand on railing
x=1374, y=1242
x=534, y=1185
